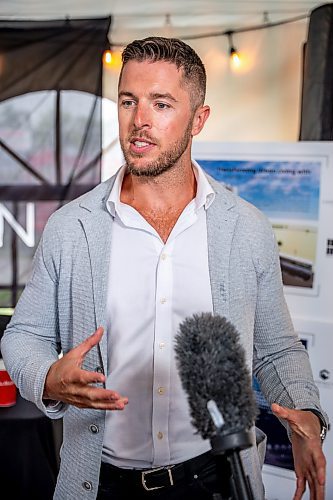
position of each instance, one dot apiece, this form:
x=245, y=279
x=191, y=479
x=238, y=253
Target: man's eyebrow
x=126, y=94
x=152, y=95
x=157, y=95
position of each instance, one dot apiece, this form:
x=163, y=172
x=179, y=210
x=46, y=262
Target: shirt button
x=160, y=435
x=161, y=391
x=163, y=300
x=163, y=256
x=162, y=344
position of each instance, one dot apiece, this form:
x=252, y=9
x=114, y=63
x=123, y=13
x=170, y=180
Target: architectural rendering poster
x=287, y=189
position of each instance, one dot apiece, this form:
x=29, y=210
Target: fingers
x=276, y=408
x=316, y=476
x=303, y=422
x=309, y=477
x=282, y=412
x=309, y=460
x=319, y=461
x=78, y=353
x=90, y=342
x=300, y=488
x=317, y=491
x=310, y=465
x=66, y=381
x=97, y=398
x=84, y=377
x=106, y=399
x=310, y=468
x=286, y=414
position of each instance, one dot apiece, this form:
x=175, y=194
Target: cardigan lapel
x=221, y=222
x=97, y=223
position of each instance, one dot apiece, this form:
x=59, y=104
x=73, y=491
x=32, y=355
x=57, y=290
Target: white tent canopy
x=133, y=19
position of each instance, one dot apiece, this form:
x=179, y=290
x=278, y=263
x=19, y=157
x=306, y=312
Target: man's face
x=155, y=116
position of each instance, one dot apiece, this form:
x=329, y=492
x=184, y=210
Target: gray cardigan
x=64, y=302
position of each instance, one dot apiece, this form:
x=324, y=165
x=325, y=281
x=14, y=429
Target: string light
x=107, y=58
x=235, y=59
x=238, y=61
x=112, y=59
x=266, y=24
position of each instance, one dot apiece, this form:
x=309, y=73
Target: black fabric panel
x=45, y=55
x=50, y=130
x=317, y=89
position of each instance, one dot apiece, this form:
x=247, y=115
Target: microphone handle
x=240, y=484
x=230, y=446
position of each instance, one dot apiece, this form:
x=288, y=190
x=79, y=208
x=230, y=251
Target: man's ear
x=199, y=119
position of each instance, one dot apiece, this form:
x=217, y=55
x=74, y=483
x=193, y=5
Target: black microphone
x=213, y=372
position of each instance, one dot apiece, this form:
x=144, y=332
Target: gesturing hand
x=66, y=381
x=309, y=460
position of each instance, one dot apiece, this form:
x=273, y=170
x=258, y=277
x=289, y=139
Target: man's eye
x=128, y=104
x=162, y=105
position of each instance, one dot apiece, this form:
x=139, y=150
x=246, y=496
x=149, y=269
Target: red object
x=7, y=390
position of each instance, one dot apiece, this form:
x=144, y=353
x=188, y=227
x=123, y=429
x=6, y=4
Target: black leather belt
x=160, y=477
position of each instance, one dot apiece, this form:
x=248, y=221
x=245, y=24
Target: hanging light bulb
x=112, y=59
x=107, y=58
x=235, y=59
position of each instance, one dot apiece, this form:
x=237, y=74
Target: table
x=28, y=453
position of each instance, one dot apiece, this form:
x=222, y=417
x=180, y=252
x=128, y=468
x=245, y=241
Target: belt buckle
x=145, y=472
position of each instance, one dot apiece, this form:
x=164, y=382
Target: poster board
x=292, y=183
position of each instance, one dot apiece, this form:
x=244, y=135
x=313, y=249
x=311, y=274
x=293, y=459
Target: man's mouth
x=141, y=145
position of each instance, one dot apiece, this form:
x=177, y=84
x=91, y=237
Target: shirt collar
x=114, y=198
x=205, y=193
x=204, y=197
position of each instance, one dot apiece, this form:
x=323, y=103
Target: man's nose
x=142, y=117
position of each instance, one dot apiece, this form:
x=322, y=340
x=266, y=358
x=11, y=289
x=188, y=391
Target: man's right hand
x=66, y=381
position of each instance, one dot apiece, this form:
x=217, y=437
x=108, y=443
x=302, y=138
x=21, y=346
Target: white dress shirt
x=153, y=287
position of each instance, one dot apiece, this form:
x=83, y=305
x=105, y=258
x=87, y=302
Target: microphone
x=213, y=373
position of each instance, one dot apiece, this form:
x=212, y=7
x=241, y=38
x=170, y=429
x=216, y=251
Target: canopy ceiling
x=133, y=18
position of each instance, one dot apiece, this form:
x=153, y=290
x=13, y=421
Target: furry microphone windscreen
x=211, y=365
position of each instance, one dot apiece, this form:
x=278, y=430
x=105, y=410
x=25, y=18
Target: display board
x=292, y=183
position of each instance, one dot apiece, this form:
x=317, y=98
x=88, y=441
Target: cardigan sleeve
x=30, y=343
x=281, y=362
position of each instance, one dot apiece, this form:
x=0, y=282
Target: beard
x=164, y=162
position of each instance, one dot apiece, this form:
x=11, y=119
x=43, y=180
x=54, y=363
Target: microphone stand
x=230, y=445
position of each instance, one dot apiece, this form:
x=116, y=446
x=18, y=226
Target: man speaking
x=118, y=270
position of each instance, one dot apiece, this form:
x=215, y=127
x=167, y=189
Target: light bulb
x=112, y=60
x=234, y=57
x=107, y=58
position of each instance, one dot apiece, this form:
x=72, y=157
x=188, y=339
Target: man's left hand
x=309, y=459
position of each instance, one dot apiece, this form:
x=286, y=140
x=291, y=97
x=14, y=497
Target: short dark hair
x=171, y=50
